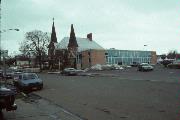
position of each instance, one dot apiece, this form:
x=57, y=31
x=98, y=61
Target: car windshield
x=145, y=64
x=29, y=76
x=9, y=71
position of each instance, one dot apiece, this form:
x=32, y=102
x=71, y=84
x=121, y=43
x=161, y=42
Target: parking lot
x=105, y=95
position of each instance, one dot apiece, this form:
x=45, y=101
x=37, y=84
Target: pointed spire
x=53, y=37
x=72, y=39
x=53, y=34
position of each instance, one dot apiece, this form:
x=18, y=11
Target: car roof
x=29, y=73
x=19, y=73
x=69, y=68
x=144, y=64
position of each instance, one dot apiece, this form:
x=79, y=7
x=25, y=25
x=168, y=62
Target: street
x=89, y=60
x=108, y=95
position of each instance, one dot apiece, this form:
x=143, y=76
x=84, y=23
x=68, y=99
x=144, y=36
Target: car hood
x=147, y=66
x=31, y=81
x=4, y=91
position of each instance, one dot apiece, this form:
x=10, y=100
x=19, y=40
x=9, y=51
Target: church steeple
x=72, y=39
x=51, y=47
x=72, y=49
x=53, y=34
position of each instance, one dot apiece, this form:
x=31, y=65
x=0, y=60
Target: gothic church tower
x=51, y=46
x=72, y=48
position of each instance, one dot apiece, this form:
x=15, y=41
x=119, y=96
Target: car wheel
x=41, y=87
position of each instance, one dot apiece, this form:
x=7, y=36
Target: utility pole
x=0, y=40
x=4, y=63
x=0, y=33
x=3, y=52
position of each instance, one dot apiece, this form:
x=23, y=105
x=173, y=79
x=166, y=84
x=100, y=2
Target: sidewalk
x=37, y=109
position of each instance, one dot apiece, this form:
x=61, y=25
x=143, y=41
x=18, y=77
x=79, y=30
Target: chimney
x=89, y=36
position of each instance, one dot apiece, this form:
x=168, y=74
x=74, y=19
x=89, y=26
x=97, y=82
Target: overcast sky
x=120, y=24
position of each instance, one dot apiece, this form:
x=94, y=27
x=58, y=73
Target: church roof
x=83, y=44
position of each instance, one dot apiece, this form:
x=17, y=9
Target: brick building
x=87, y=52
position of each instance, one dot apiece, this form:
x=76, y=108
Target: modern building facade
x=127, y=57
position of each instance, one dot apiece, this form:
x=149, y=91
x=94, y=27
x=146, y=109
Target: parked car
x=27, y=82
x=16, y=78
x=9, y=74
x=145, y=67
x=70, y=71
x=134, y=64
x=175, y=65
x=1, y=74
x=166, y=62
x=7, y=98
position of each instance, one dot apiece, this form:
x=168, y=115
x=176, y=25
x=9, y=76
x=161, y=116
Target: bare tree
x=172, y=54
x=163, y=56
x=35, y=42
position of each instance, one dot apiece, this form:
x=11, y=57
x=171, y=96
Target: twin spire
x=72, y=39
x=53, y=34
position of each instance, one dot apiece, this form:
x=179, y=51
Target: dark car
x=145, y=67
x=69, y=71
x=174, y=65
x=27, y=82
x=7, y=97
x=1, y=74
x=9, y=74
x=166, y=62
x=134, y=64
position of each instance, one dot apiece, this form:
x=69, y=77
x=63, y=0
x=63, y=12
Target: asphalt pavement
x=117, y=95
x=104, y=95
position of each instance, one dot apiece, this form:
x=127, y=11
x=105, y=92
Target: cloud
x=122, y=24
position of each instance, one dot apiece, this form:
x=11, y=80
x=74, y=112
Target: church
x=74, y=52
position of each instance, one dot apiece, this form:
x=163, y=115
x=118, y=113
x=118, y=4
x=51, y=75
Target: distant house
x=22, y=61
x=25, y=61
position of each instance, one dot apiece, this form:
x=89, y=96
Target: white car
x=145, y=67
x=69, y=71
